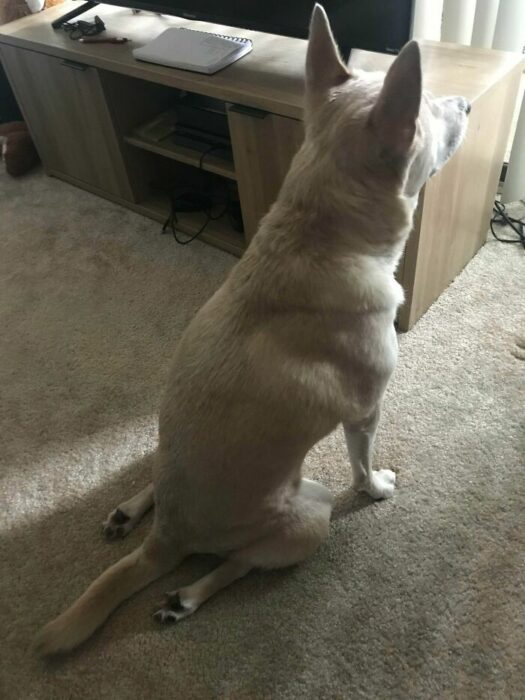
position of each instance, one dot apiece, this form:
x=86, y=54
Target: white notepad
x=189, y=49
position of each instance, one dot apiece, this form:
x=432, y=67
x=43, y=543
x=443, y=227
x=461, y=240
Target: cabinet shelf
x=214, y=162
x=218, y=232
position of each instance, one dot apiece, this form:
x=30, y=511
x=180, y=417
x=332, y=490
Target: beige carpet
x=419, y=597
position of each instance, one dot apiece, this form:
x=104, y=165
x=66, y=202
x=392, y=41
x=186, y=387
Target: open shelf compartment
x=212, y=162
x=219, y=232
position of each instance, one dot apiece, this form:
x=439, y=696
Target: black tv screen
x=376, y=25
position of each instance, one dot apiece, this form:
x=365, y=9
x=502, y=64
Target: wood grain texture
x=212, y=162
x=450, y=69
x=263, y=148
x=65, y=110
x=269, y=78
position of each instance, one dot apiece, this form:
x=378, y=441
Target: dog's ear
x=324, y=67
x=394, y=116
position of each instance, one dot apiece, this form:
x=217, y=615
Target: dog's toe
x=165, y=616
x=117, y=525
x=381, y=484
x=388, y=475
x=173, y=609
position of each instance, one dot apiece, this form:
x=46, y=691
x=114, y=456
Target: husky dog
x=299, y=339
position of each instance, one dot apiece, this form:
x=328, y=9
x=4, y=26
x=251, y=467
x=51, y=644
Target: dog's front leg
x=360, y=443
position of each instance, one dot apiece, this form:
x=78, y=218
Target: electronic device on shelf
x=375, y=25
x=196, y=122
x=204, y=116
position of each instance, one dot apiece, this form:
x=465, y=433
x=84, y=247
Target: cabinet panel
x=263, y=147
x=64, y=107
x=455, y=206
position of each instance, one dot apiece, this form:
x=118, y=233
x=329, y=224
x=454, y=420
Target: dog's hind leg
x=124, y=518
x=120, y=581
x=360, y=443
x=303, y=530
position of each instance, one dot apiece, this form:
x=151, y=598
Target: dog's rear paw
x=117, y=525
x=173, y=609
x=57, y=637
x=46, y=642
x=381, y=484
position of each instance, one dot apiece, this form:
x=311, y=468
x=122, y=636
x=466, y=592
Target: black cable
x=172, y=220
x=501, y=218
x=77, y=30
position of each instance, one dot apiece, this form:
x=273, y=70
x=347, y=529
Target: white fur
x=299, y=339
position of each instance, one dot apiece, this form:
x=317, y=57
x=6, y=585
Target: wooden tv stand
x=83, y=104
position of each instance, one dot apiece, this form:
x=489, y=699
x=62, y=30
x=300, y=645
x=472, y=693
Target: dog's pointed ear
x=394, y=116
x=324, y=67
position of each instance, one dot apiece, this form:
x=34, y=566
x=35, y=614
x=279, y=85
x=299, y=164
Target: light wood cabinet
x=63, y=104
x=263, y=147
x=84, y=102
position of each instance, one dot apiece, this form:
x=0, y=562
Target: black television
x=375, y=25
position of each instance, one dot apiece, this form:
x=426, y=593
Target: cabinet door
x=263, y=147
x=65, y=110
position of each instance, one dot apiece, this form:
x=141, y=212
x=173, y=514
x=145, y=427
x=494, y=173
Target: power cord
x=501, y=218
x=172, y=220
x=182, y=202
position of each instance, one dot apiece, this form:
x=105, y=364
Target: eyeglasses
x=76, y=30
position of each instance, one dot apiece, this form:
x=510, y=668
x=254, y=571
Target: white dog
x=299, y=339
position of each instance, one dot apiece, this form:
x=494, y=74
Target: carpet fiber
x=422, y=596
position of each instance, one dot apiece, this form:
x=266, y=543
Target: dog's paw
x=47, y=642
x=57, y=637
x=117, y=525
x=173, y=609
x=381, y=484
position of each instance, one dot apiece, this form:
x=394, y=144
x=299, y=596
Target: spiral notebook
x=189, y=49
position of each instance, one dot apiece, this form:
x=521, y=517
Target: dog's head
x=386, y=127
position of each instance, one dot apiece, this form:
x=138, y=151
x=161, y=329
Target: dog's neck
x=328, y=242
x=344, y=213
x=298, y=259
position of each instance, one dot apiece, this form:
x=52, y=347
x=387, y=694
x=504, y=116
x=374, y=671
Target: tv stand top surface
x=270, y=78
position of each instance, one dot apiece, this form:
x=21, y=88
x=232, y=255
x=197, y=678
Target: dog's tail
x=120, y=581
